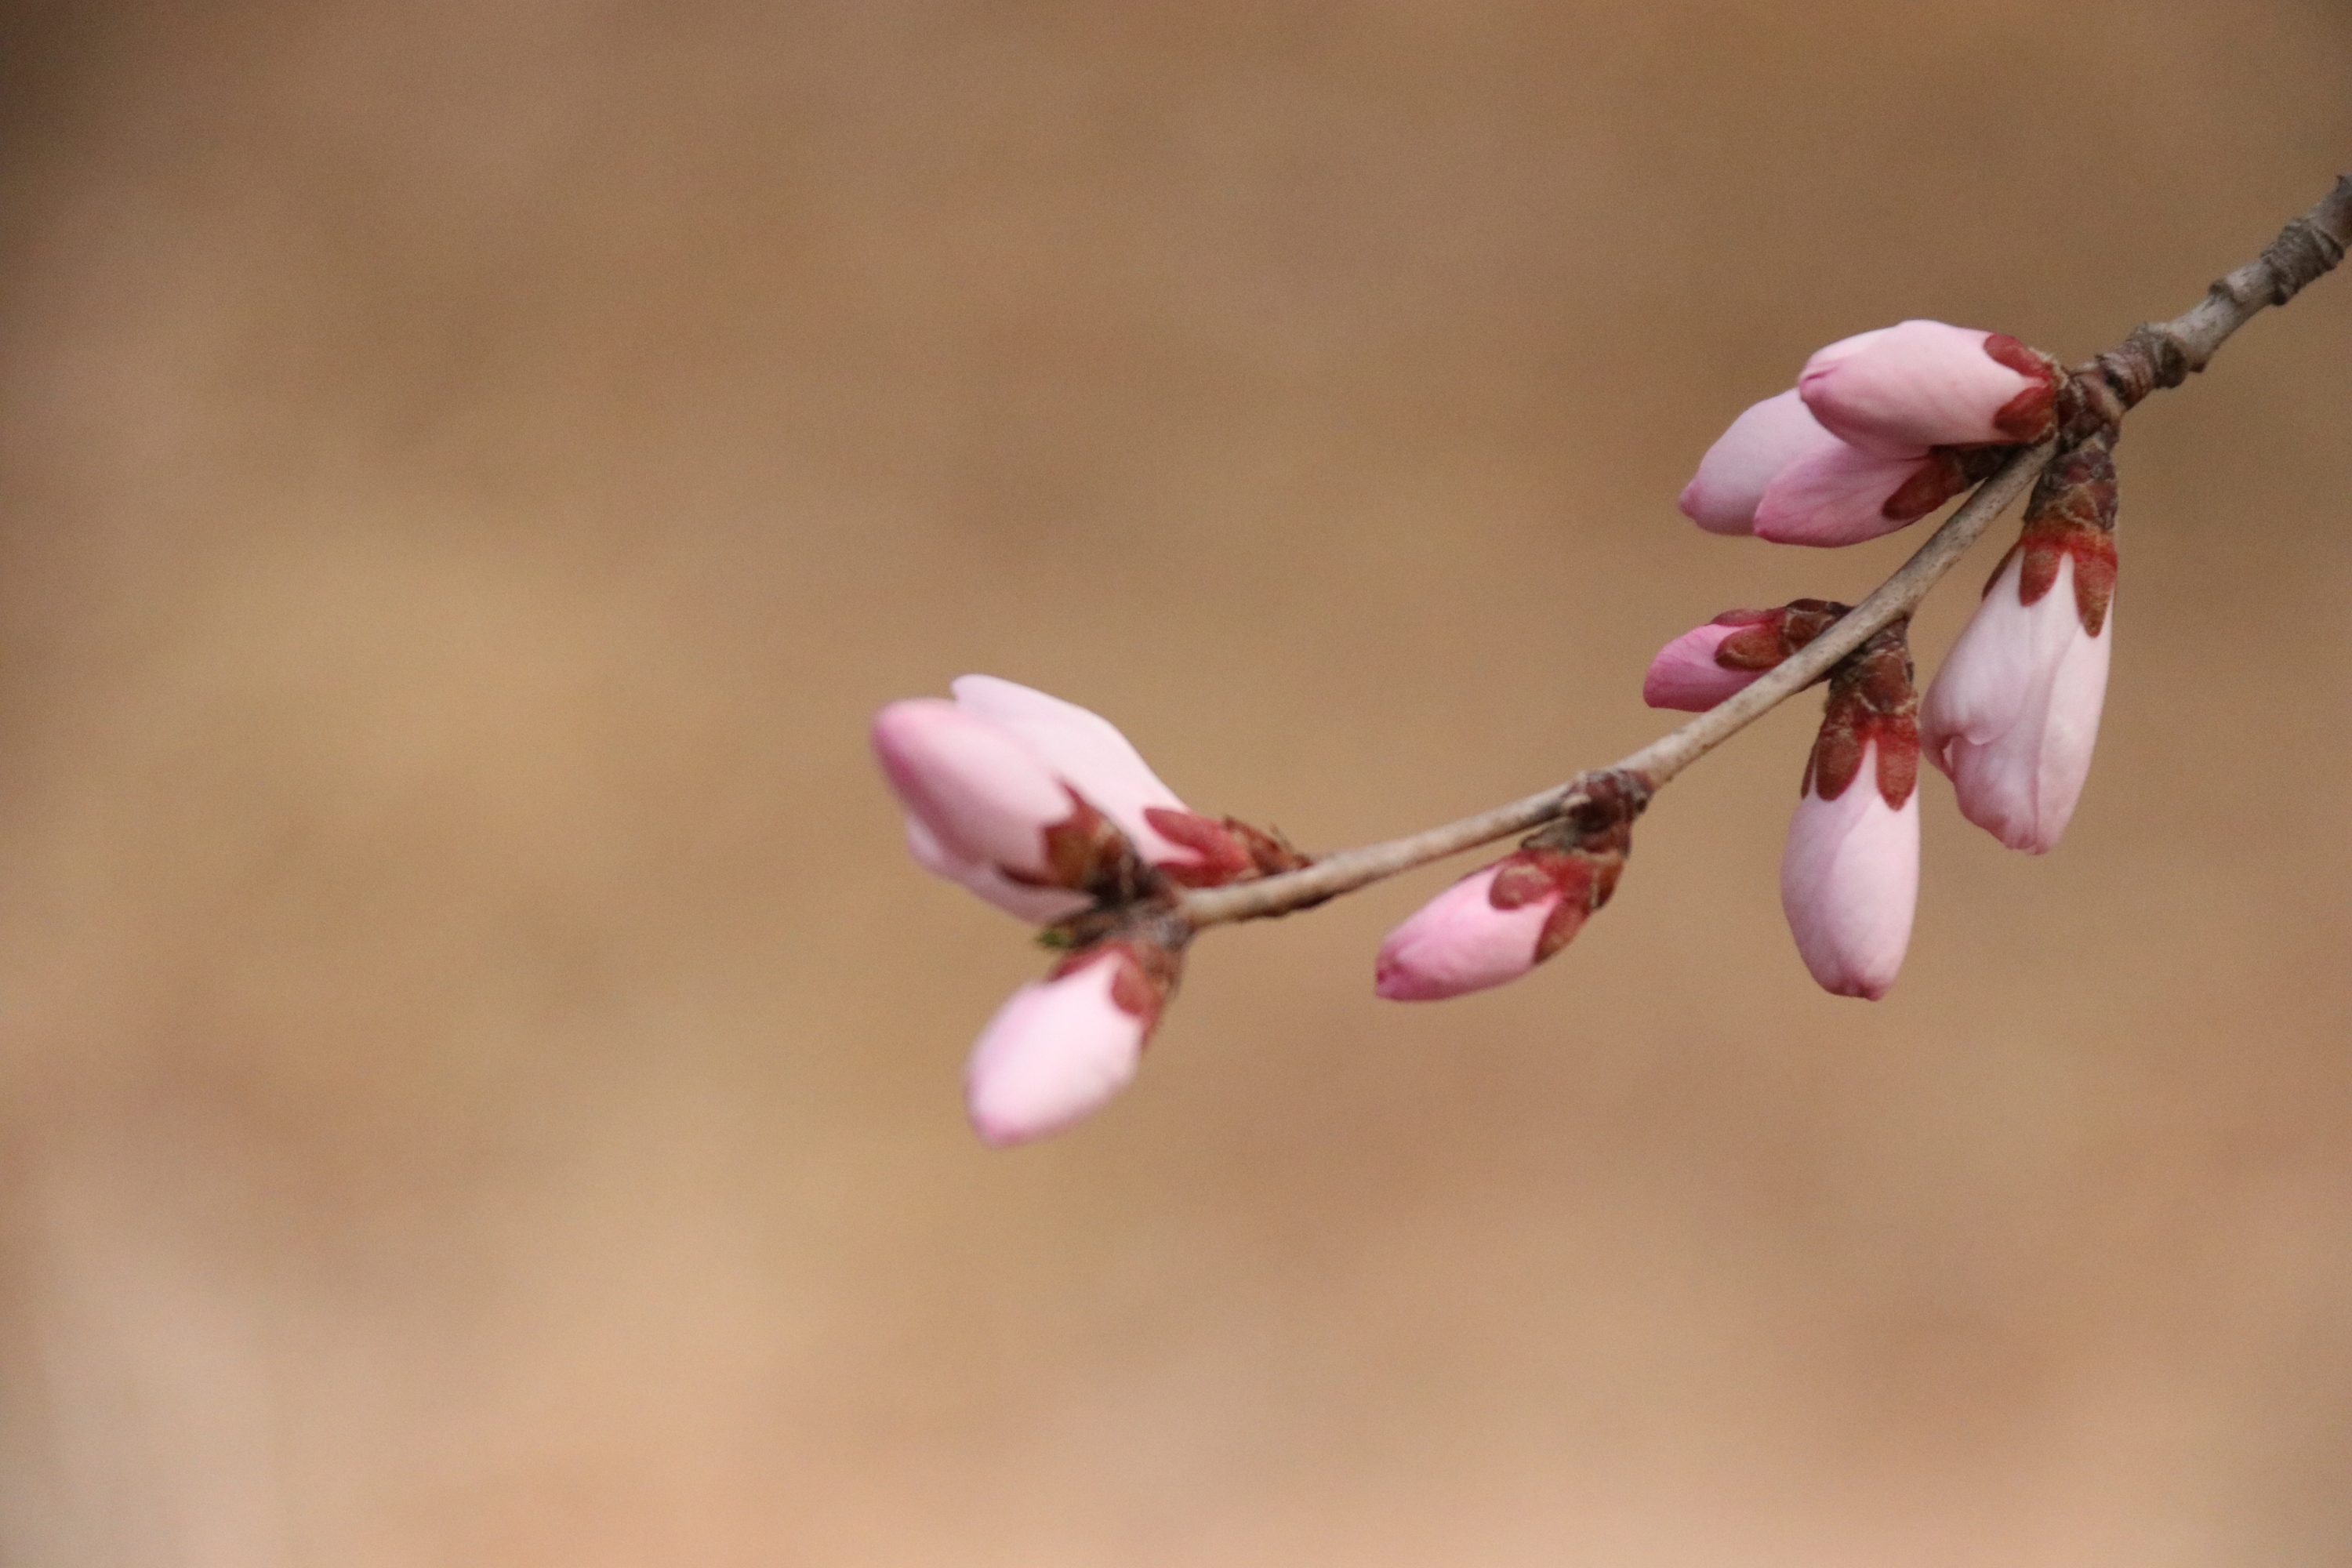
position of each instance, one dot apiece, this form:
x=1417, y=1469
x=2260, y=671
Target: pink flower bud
x=1709, y=663
x=1731, y=479
x=2013, y=714
x=1849, y=881
x=1925, y=384
x=1036, y=906
x=1842, y=494
x=1461, y=942
x=1009, y=790
x=1779, y=475
x=982, y=797
x=1495, y=925
x=1083, y=750
x=1685, y=675
x=1059, y=1049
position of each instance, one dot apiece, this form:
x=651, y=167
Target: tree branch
x=2158, y=354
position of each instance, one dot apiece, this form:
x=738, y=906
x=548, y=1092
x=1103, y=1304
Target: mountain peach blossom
x=1850, y=871
x=1059, y=1049
x=1778, y=474
x=1707, y=664
x=1850, y=881
x=2013, y=715
x=1495, y=925
x=1462, y=940
x=1926, y=383
x=1040, y=806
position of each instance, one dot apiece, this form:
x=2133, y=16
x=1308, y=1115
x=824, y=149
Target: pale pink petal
x=1054, y=1054
x=1849, y=881
x=1835, y=495
x=1685, y=675
x=983, y=795
x=2014, y=714
x=1037, y=906
x=1731, y=477
x=1459, y=941
x=1918, y=383
x=1083, y=749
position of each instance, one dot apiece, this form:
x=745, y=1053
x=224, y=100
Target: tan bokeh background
x=479, y=1076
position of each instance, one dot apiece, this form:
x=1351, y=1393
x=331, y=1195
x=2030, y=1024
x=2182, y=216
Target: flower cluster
x=1879, y=430
x=1044, y=810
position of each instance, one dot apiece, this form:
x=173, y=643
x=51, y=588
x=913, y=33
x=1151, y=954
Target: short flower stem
x=2155, y=355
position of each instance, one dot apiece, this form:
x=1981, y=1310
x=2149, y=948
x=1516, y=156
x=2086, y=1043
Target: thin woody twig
x=2158, y=354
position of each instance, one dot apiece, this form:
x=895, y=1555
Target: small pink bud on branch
x=2013, y=715
x=1709, y=663
x=1880, y=430
x=1495, y=925
x=1925, y=384
x=1849, y=874
x=1060, y=1049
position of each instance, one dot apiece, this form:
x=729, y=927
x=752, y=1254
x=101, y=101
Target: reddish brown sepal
x=1944, y=473
x=1578, y=858
x=1937, y=481
x=1767, y=637
x=1086, y=852
x=2032, y=415
x=1223, y=859
x=1229, y=850
x=1872, y=698
x=2072, y=513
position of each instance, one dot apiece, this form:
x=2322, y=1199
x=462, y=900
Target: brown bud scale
x=2032, y=415
x=1767, y=637
x=1231, y=850
x=1088, y=853
x=2072, y=513
x=1579, y=858
x=1872, y=698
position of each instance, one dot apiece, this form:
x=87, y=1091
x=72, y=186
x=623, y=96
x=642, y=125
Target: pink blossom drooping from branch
x=2013, y=715
x=1496, y=923
x=1927, y=384
x=1850, y=873
x=1060, y=1049
x=1707, y=664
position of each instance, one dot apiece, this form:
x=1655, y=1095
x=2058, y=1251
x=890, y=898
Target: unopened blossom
x=1060, y=1049
x=1778, y=474
x=1846, y=494
x=1850, y=872
x=982, y=806
x=1496, y=923
x=1043, y=807
x=1927, y=383
x=1707, y=664
x=1722, y=497
x=1462, y=940
x=2013, y=714
x=1849, y=883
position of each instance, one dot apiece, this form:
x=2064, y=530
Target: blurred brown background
x=478, y=1077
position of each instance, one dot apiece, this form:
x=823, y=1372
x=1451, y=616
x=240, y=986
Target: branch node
x=2301, y=252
